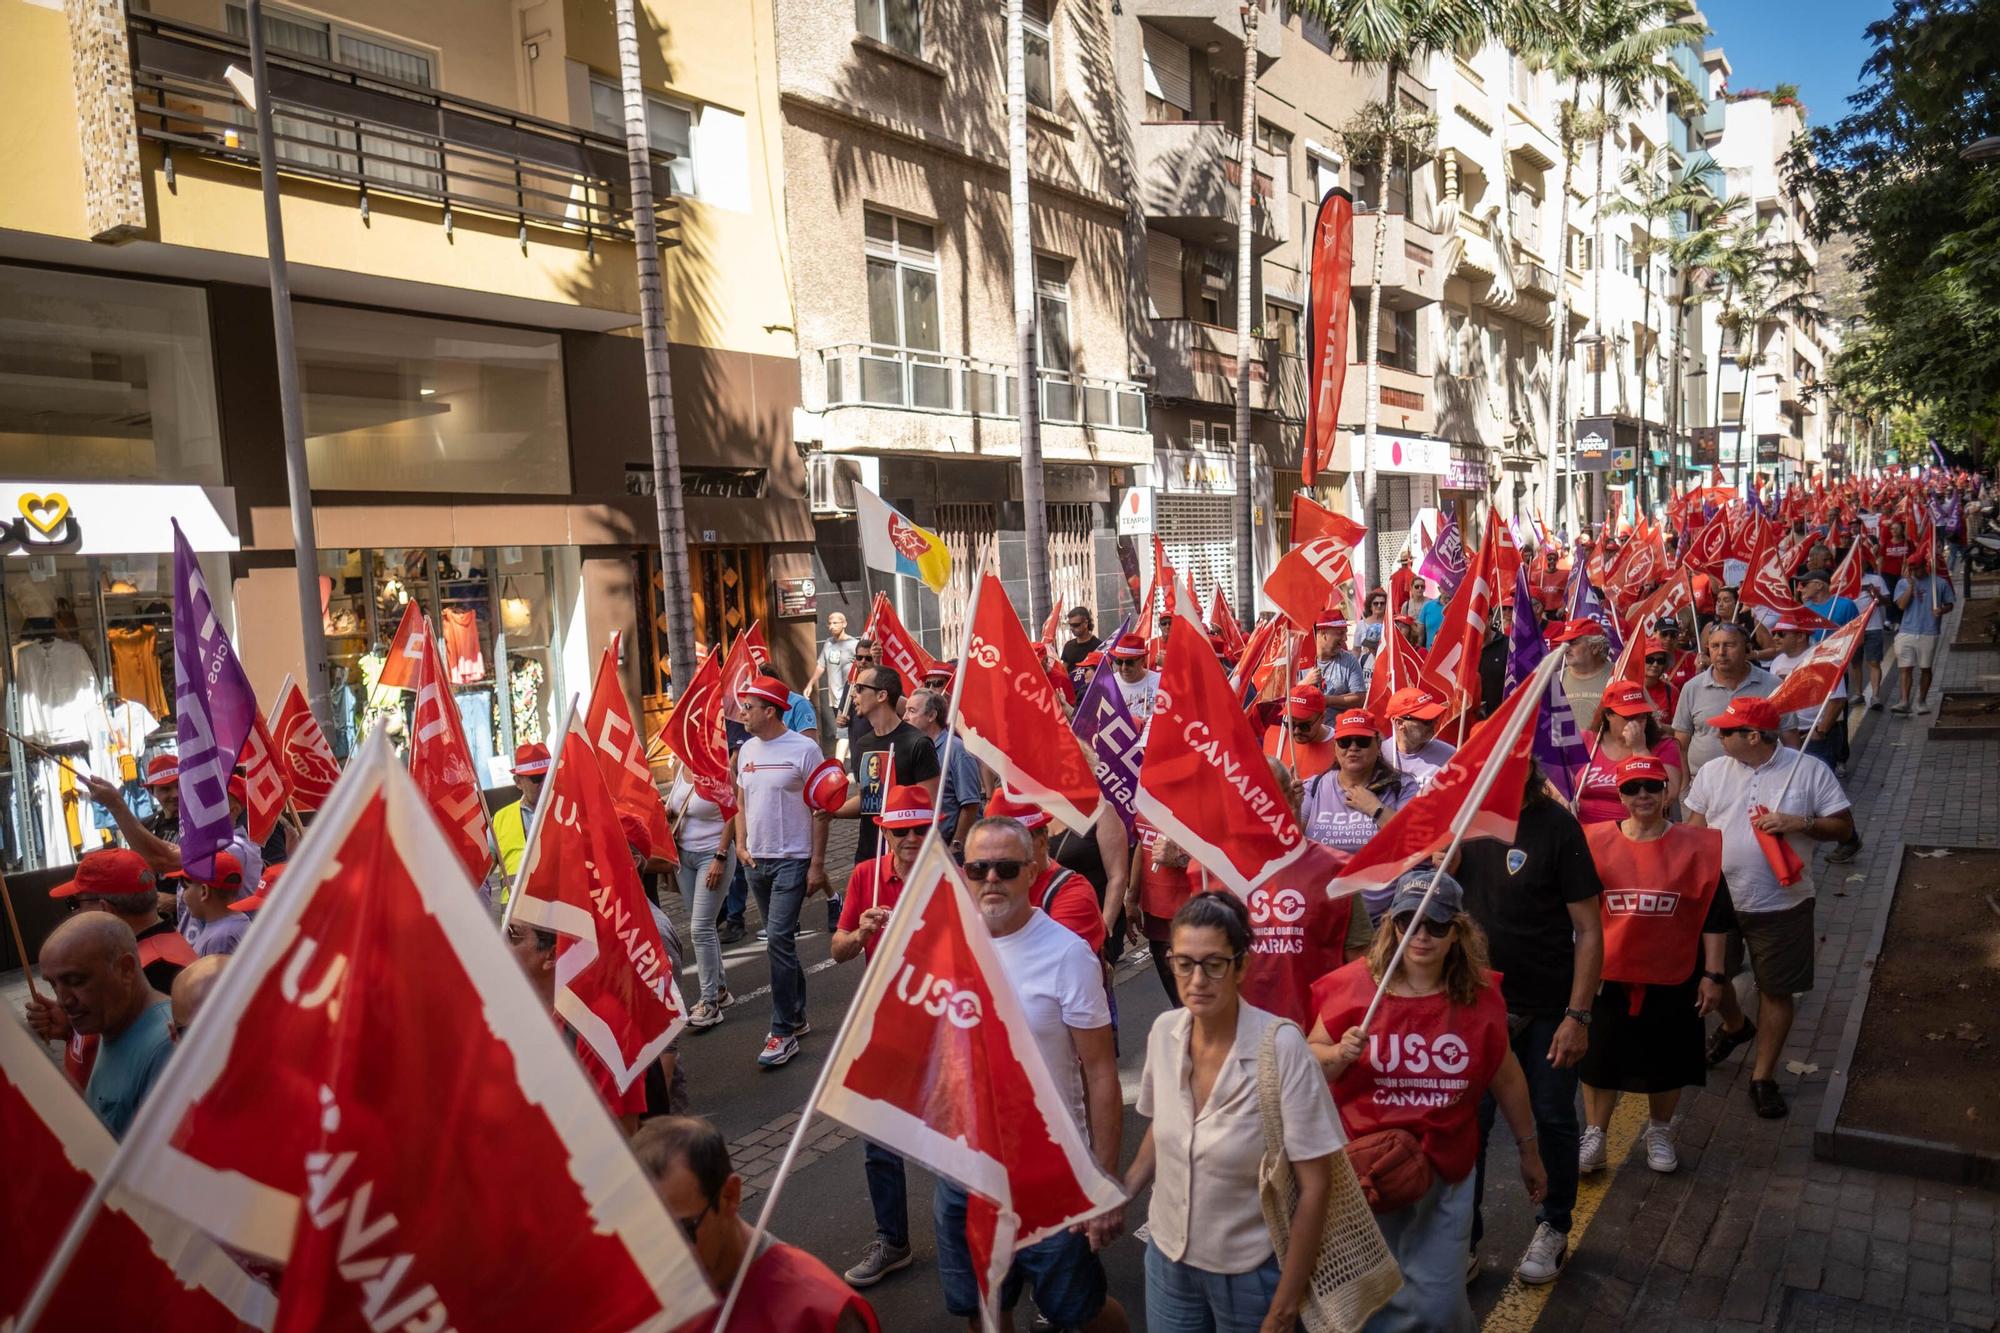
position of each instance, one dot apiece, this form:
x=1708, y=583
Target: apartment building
x=455, y=200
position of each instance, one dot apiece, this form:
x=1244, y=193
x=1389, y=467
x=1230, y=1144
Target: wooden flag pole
x=20, y=946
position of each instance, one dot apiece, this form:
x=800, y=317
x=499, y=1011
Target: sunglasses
x=1355, y=742
x=690, y=1226
x=1660, y=659
x=910, y=831
x=1215, y=966
x=1437, y=930
x=1302, y=726
x=977, y=871
x=1733, y=731
x=1649, y=786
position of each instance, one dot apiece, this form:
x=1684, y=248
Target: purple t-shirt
x=1329, y=820
x=221, y=935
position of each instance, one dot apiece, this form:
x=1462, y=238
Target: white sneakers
x=1590, y=1151
x=1545, y=1256
x=1660, y=1154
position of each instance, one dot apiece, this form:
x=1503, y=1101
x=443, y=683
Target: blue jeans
x=736, y=895
x=889, y=1193
x=1552, y=1098
x=1181, y=1298
x=1429, y=1240
x=1066, y=1277
x=779, y=885
x=702, y=904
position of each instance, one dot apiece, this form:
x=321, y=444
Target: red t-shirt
x=873, y=884
x=1308, y=759
x=1296, y=933
x=1598, y=801
x=1894, y=553
x=1424, y=1067
x=1074, y=906
x=1664, y=694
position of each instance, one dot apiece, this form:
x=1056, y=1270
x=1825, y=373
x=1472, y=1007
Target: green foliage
x=1926, y=223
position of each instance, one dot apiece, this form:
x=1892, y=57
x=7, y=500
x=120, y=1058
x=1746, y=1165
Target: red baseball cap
x=1747, y=711
x=1801, y=621
x=637, y=836
x=256, y=900
x=228, y=873
x=826, y=786
x=1405, y=620
x=1640, y=768
x=1128, y=647
x=531, y=760
x=163, y=770
x=1005, y=805
x=111, y=872
x=1417, y=702
x=1091, y=660
x=770, y=689
x=1569, y=630
x=1305, y=701
x=1330, y=620
x=1653, y=648
x=1626, y=699
x=1356, y=722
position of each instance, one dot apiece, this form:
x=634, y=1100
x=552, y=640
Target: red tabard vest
x=80, y=1054
x=1656, y=896
x=789, y=1291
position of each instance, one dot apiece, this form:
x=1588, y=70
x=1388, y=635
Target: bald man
x=92, y=963
x=191, y=989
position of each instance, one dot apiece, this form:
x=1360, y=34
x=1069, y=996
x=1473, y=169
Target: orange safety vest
x=789, y=1291
x=80, y=1054
x=1656, y=896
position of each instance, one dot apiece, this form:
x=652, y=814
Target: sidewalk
x=1753, y=1231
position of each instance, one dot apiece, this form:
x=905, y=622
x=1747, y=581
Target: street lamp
x=1981, y=151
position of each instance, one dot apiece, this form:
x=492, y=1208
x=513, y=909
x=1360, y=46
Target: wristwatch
x=1719, y=978
x=1580, y=1015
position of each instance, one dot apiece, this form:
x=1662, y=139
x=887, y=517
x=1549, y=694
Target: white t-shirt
x=1060, y=986
x=1871, y=582
x=1723, y=792
x=701, y=821
x=1783, y=665
x=773, y=777
x=1139, y=700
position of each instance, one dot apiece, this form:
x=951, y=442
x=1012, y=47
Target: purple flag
x=1584, y=604
x=1445, y=564
x=1105, y=726
x=217, y=711
x=1558, y=749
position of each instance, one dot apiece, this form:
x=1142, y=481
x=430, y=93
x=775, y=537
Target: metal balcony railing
x=381, y=135
x=875, y=375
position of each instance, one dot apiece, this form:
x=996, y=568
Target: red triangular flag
x=1670, y=598
x=441, y=766
x=1311, y=519
x=1813, y=679
x=1305, y=578
x=1009, y=719
x=1764, y=582
x=1222, y=623
x=371, y=1019
x=265, y=789
x=406, y=649
x=146, y=1269
x=1204, y=782
x=621, y=756
x=897, y=647
x=1397, y=664
x=1453, y=662
x=303, y=753
x=614, y=981
x=1846, y=581
x=747, y=658
x=694, y=733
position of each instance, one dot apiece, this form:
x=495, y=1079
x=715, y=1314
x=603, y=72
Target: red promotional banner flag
x=1397, y=664
x=1764, y=582
x=1331, y=307
x=621, y=755
x=937, y=1062
x=1453, y=662
x=1204, y=782
x=406, y=649
x=146, y=1269
x=747, y=658
x=441, y=766
x=1478, y=792
x=1670, y=598
x=1812, y=680
x=614, y=981
x=1304, y=579
x=1266, y=643
x=1312, y=519
x=265, y=789
x=694, y=733
x=308, y=761
x=899, y=649
x=375, y=1099
x=1010, y=720
x=1846, y=581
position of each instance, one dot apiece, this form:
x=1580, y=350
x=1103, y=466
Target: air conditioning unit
x=831, y=479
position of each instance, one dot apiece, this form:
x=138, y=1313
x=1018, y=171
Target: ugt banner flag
x=893, y=544
x=216, y=709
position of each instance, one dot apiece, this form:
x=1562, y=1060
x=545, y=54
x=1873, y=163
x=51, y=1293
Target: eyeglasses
x=1215, y=966
x=1437, y=930
x=1649, y=786
x=691, y=1226
x=1355, y=742
x=997, y=870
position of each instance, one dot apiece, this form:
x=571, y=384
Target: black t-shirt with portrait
x=915, y=759
x=1076, y=650
x=1520, y=893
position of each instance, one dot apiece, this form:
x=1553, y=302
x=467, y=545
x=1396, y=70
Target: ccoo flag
x=894, y=545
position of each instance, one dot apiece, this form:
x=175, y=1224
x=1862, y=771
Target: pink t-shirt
x=1600, y=803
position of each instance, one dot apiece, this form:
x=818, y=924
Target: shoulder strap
x=1270, y=1099
x=1056, y=882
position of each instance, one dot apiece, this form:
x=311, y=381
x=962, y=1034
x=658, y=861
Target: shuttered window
x=1164, y=297
x=1167, y=74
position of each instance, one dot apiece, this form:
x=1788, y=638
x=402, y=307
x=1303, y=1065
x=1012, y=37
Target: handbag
x=1392, y=1169
x=1354, y=1274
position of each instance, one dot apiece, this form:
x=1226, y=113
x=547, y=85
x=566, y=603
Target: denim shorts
x=1872, y=644
x=1063, y=1272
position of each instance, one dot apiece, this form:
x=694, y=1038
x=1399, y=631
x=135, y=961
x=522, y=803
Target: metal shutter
x=1164, y=298
x=971, y=534
x=1393, y=516
x=1072, y=556
x=1199, y=534
x=1167, y=74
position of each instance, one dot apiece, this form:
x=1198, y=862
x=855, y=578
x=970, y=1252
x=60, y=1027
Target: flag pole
x=762, y=1228
x=1482, y=785
x=534, y=842
x=21, y=948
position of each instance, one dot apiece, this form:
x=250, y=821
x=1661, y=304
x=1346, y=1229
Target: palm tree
x=1035, y=518
x=669, y=507
x=1764, y=284
x=1693, y=256
x=1397, y=34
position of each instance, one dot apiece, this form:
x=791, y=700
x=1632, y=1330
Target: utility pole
x=1246, y=283
x=1034, y=508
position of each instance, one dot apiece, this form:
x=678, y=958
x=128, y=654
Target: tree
x=1764, y=284
x=1035, y=514
x=1926, y=222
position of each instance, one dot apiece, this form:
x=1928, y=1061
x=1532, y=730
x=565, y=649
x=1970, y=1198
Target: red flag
x=1222, y=623
x=936, y=1061
x=146, y=1269
x=406, y=649
x=375, y=1099
x=1311, y=519
x=441, y=766
x=1326, y=326
x=1009, y=718
x=614, y=981
x=1478, y=792
x=1813, y=679
x=1764, y=582
x=694, y=733
x=1704, y=553
x=1204, y=782
x=1670, y=598
x=1304, y=579
x=1049, y=627
x=1846, y=581
x=621, y=755
x=1397, y=664
x=899, y=649
x=1453, y=663
x=747, y=658
x=1506, y=555
x=1265, y=644
x=265, y=790
x=303, y=753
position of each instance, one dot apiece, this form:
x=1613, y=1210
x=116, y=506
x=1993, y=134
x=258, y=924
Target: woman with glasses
x=1660, y=688
x=1666, y=921
x=1436, y=1047
x=1343, y=808
x=1210, y=1263
x=1626, y=726
x=1374, y=623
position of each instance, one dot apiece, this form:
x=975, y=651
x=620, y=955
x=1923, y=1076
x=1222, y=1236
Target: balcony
x=1535, y=279
x=1197, y=362
x=381, y=137
x=1188, y=183
x=881, y=399
x=1199, y=22
x=1412, y=274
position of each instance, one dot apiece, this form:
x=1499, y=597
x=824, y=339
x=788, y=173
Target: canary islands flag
x=892, y=543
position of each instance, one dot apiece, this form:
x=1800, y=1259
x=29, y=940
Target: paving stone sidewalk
x=1753, y=1231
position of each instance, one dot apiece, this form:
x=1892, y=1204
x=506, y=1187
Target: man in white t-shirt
x=1136, y=683
x=779, y=844
x=1061, y=989
x=1826, y=741
x=1760, y=785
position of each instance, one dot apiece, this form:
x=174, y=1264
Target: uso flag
x=1326, y=327
x=216, y=714
x=893, y=544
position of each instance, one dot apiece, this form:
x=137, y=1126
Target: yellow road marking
x=1519, y=1305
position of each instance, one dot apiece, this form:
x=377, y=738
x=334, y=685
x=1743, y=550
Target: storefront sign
x=84, y=518
x=1186, y=472
x=797, y=599
x=1767, y=448
x=1412, y=454
x=1624, y=458
x=1704, y=446
x=1466, y=474
x=1592, y=452
x=1135, y=512
x=713, y=483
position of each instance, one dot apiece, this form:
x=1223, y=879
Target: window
x=670, y=128
x=1169, y=77
x=401, y=403
x=105, y=379
x=1037, y=53
x=897, y=22
x=1324, y=171
x=1621, y=255
x=1052, y=344
x=1368, y=188
x=1225, y=98
x=1527, y=218
x=1217, y=294
x=1274, y=140
x=1399, y=339
x=1281, y=326
x=1584, y=250
x=903, y=312
x=1457, y=344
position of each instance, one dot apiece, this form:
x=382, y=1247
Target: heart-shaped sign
x=46, y=512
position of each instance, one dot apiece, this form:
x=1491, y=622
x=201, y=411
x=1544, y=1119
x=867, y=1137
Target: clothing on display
x=463, y=658
x=135, y=665
x=525, y=679
x=58, y=691
x=475, y=713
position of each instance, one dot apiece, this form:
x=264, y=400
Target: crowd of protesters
x=1525, y=983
